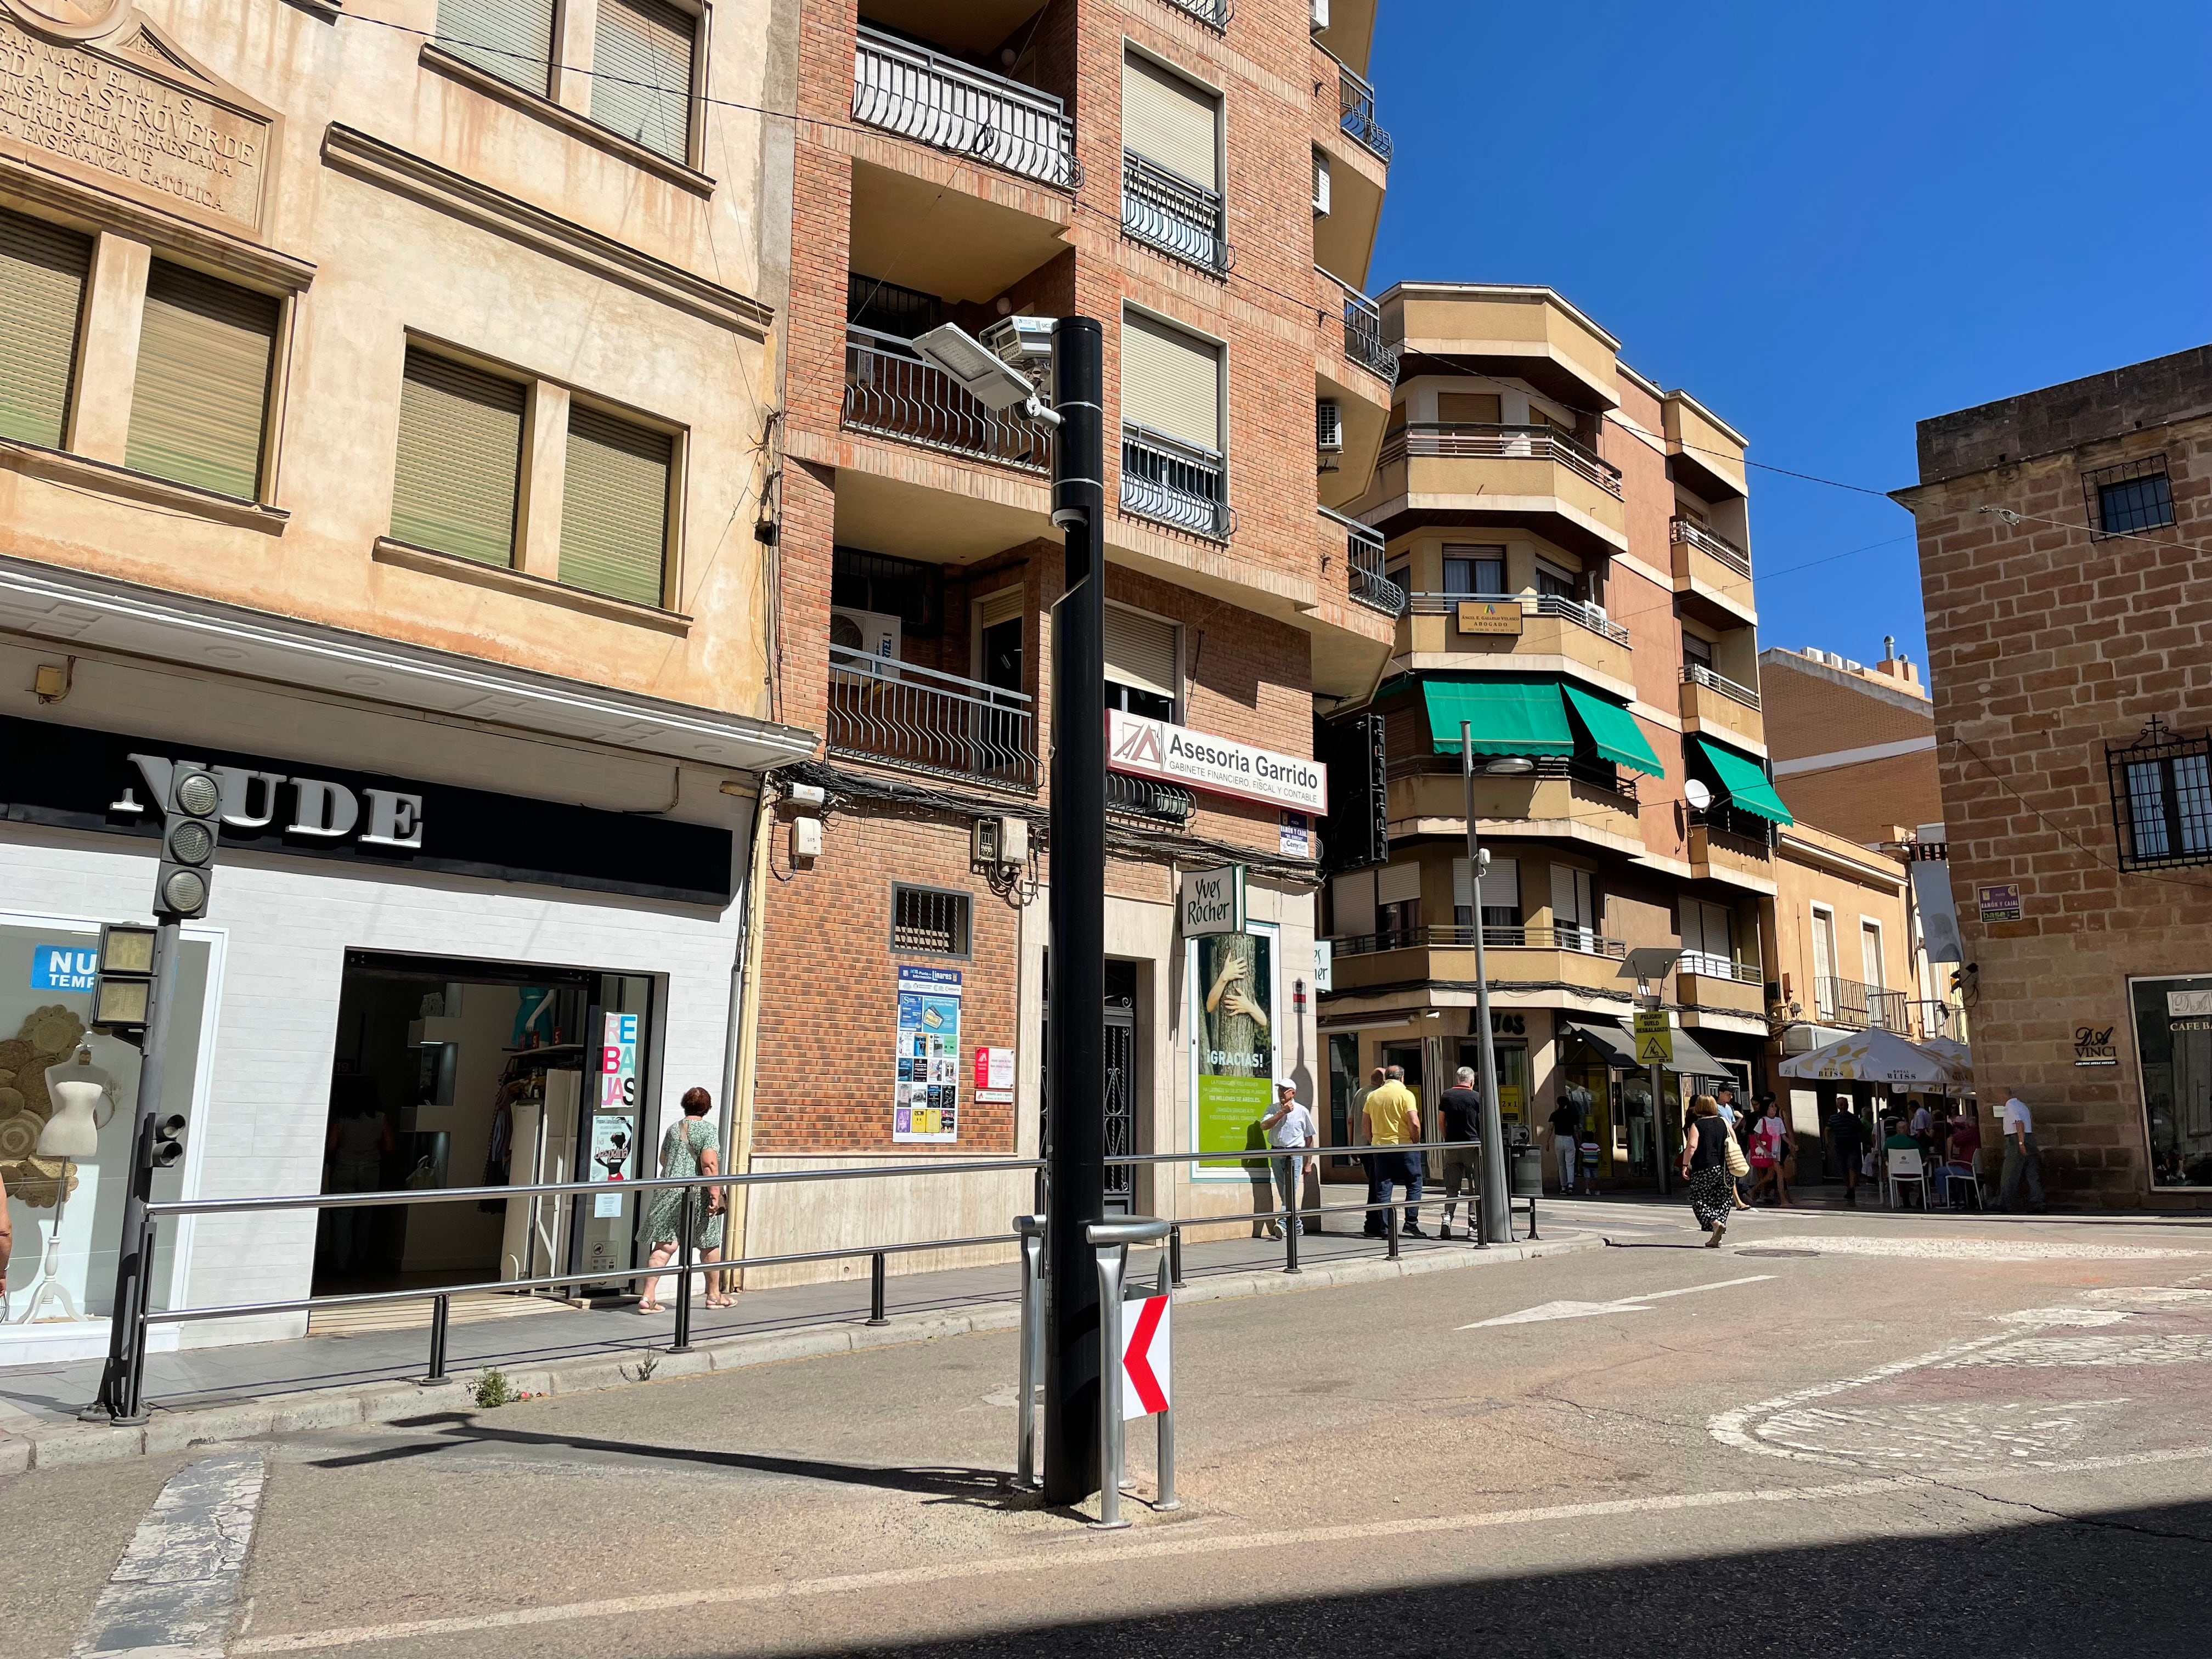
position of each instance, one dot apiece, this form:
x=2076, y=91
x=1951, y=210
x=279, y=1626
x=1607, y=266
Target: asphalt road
x=1841, y=1434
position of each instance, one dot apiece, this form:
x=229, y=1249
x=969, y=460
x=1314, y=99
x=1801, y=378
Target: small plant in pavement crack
x=491, y=1389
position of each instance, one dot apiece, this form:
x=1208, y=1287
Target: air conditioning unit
x=1320, y=181
x=869, y=633
x=1329, y=424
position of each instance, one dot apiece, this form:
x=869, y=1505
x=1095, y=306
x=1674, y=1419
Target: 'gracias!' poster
x=926, y=1098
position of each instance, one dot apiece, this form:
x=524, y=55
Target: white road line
x=1179, y=1545
x=175, y=1591
x=1549, y=1311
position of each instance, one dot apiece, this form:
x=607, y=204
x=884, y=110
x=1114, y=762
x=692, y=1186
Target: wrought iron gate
x=1121, y=1103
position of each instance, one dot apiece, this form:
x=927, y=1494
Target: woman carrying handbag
x=1709, y=1151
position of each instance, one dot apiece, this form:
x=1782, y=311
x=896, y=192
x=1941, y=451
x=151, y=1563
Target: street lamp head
x=1508, y=766
x=992, y=381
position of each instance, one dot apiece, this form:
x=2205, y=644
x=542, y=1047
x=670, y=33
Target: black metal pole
x=1077, y=1178
x=119, y=1390
x=683, y=1342
x=876, y=1270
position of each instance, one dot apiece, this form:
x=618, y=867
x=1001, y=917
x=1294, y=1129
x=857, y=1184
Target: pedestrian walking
x=688, y=1149
x=1289, y=1125
x=1705, y=1168
x=1394, y=1120
x=1567, y=1138
x=2022, y=1161
x=1847, y=1141
x=1460, y=1108
x=1770, y=1151
x=1736, y=1124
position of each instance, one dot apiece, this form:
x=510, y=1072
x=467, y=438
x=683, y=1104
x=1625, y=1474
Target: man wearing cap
x=1289, y=1125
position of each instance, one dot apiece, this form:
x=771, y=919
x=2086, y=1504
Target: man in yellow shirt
x=1394, y=1118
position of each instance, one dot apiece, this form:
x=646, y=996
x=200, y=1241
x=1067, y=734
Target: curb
x=63, y=1447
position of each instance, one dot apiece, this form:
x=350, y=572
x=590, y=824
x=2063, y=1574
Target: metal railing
x=1175, y=215
x=1601, y=774
x=949, y=105
x=1176, y=483
x=1142, y=797
x=1479, y=439
x=891, y=391
x=929, y=722
x=1355, y=101
x=1363, y=331
x=1362, y=565
x=1706, y=965
x=1848, y=1002
x=1686, y=534
x=1745, y=834
x=1696, y=673
x=1933, y=1019
x=1532, y=604
x=1584, y=941
x=1214, y=13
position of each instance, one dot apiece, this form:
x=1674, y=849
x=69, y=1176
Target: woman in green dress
x=688, y=1149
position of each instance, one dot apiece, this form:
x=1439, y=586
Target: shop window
x=2134, y=495
x=200, y=402
x=2161, y=787
x=642, y=64
x=2173, y=1040
x=458, y=475
x=927, y=922
x=613, y=507
x=43, y=269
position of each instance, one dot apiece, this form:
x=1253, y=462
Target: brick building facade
x=2069, y=625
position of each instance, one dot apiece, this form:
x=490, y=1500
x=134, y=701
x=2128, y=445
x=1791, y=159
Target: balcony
x=952, y=106
x=1713, y=702
x=1363, y=331
x=1714, y=570
x=1847, y=1002
x=1536, y=477
x=1516, y=631
x=1355, y=101
x=1155, y=803
x=1707, y=985
x=1937, y=1019
x=1577, y=957
x=1173, y=482
x=1582, y=799
x=1165, y=210
x=1363, y=564
x=1214, y=13
x=1732, y=847
x=891, y=392
x=927, y=721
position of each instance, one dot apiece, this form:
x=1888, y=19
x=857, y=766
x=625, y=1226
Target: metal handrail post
x=1031, y=1230
x=1175, y=1257
x=134, y=1355
x=875, y=1275
x=440, y=1310
x=1113, y=1259
x=1167, y=1499
x=683, y=1342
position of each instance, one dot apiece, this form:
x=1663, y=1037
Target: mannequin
x=78, y=1089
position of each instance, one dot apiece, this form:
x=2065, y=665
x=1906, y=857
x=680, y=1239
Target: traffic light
x=191, y=822
x=169, y=1140
x=122, y=989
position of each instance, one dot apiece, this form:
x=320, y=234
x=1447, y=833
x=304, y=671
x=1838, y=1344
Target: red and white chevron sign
x=1145, y=1370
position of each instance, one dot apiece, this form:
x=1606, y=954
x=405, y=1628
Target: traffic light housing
x=191, y=821
x=123, y=990
x=168, y=1141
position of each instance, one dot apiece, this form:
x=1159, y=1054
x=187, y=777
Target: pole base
x=875, y=1324
x=1107, y=1526
x=1168, y=1508
x=685, y=1347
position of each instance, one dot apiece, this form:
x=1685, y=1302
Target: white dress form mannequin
x=78, y=1089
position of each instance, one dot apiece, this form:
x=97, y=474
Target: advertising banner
x=614, y=1120
x=926, y=1095
x=1232, y=987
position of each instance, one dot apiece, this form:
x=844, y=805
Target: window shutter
x=1007, y=604
x=1571, y=898
x=202, y=390
x=1468, y=408
x=1320, y=181
x=1167, y=120
x=1171, y=382
x=1140, y=651
x=613, y=507
x=510, y=38
x=641, y=74
x=1398, y=883
x=454, y=485
x=1354, y=904
x=1501, y=887
x=42, y=275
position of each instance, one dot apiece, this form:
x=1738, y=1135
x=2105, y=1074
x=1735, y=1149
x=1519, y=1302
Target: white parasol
x=1878, y=1056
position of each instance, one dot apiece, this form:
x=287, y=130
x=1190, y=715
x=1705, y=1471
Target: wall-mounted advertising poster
x=1233, y=1025
x=926, y=1095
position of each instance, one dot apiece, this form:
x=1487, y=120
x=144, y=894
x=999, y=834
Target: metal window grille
x=927, y=922
x=872, y=303
x=2132, y=496
x=2161, y=788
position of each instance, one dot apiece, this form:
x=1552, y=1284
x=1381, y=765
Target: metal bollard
x=683, y=1342
x=1168, y=1500
x=1390, y=1230
x=876, y=1274
x=1291, y=1223
x=440, y=1306
x=1112, y=1261
x=1481, y=1224
x=1532, y=1218
x=1175, y=1257
x=1031, y=1229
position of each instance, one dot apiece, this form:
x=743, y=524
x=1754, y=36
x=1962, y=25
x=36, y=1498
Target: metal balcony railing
x=891, y=391
x=1174, y=214
x=929, y=722
x=1847, y=1002
x=1363, y=331
x=1532, y=604
x=1214, y=13
x=949, y=105
x=1586, y=941
x=1355, y=101
x=1362, y=563
x=1745, y=834
x=1686, y=534
x=1473, y=439
x=1707, y=965
x=1696, y=673
x=1176, y=483
x=1591, y=774
x=1142, y=797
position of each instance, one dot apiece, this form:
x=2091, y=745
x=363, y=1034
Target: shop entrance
x=465, y=1074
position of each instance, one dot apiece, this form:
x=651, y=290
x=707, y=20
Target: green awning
x=1613, y=732
x=1510, y=717
x=1743, y=781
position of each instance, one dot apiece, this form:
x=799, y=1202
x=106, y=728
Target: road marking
x=176, y=1587
x=1591, y=1309
x=1979, y=1249
x=1178, y=1544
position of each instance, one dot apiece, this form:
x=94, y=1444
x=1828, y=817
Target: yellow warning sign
x=1655, y=1038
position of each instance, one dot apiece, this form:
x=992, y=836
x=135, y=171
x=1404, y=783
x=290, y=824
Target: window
x=910, y=589
x=904, y=312
x=1320, y=180
x=1574, y=909
x=1824, y=962
x=1697, y=653
x=42, y=276
x=1171, y=453
x=927, y=922
x=1142, y=664
x=1468, y=408
x=1554, y=583
x=1870, y=955
x=2134, y=495
x=1708, y=938
x=2161, y=788
x=457, y=479
x=1170, y=121
x=641, y=73
x=1473, y=570
x=2173, y=1043
x=1398, y=905
x=1501, y=898
x=201, y=398
x=613, y=507
x=512, y=39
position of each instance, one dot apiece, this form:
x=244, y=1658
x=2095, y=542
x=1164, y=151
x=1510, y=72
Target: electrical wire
x=2068, y=835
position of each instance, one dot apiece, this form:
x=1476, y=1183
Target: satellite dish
x=1697, y=794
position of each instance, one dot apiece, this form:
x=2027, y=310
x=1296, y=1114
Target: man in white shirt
x=1289, y=1125
x=2021, y=1160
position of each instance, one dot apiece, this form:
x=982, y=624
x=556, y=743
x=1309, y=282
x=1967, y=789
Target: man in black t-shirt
x=1847, y=1140
x=1460, y=1107
x=1566, y=1122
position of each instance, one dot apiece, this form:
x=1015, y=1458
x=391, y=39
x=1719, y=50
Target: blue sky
x=1825, y=223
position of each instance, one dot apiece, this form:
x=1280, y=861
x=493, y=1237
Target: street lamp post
x=1496, y=1215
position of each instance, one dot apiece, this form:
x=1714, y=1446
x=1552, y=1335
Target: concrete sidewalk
x=208, y=1396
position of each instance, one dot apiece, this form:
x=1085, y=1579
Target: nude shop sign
x=70, y=777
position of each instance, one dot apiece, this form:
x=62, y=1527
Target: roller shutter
x=42, y=276
x=454, y=485
x=613, y=507
x=202, y=391
x=1009, y=604
x=1353, y=904
x=1141, y=651
x=1171, y=382
x=1501, y=887
x=510, y=38
x=641, y=74
x=1169, y=122
x=1398, y=883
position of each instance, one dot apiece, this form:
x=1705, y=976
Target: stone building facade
x=2070, y=626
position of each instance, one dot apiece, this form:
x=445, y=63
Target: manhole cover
x=1774, y=1253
